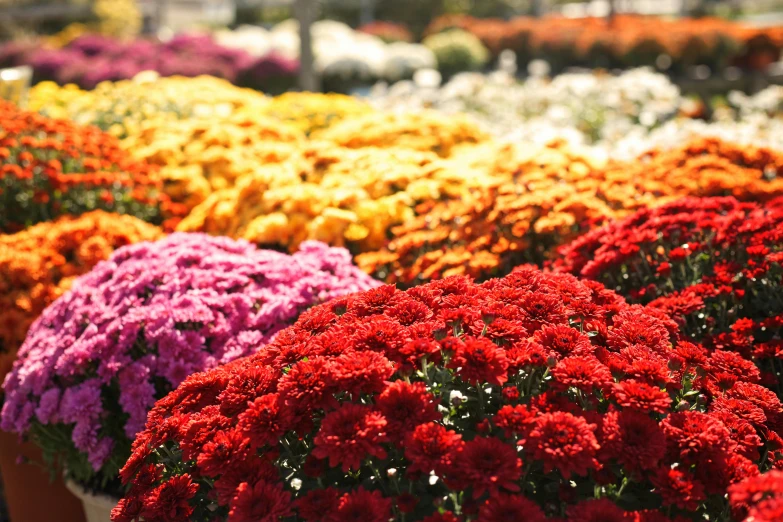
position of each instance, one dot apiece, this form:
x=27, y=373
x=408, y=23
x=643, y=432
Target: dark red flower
x=634, y=326
x=634, y=440
x=692, y=436
x=759, y=498
x=539, y=309
x=361, y=372
x=431, y=447
x=478, y=360
x=244, y=386
x=309, y=385
x=678, y=488
x=375, y=301
x=585, y=373
x=127, y=509
x=510, y=393
x=222, y=452
x=349, y=435
x=378, y=334
x=507, y=508
x=564, y=341
x=731, y=363
x=514, y=420
x=596, y=510
x=405, y=406
x=316, y=503
x=264, y=421
x=762, y=397
x=526, y=354
x=488, y=464
x=563, y=442
x=262, y=502
x=640, y=396
x=249, y=470
x=169, y=502
x=361, y=506
x=407, y=503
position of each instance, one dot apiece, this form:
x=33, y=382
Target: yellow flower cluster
x=347, y=197
x=204, y=132
x=123, y=108
x=206, y=135
x=425, y=131
x=311, y=112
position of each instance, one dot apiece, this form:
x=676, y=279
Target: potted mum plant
x=136, y=326
x=37, y=265
x=534, y=397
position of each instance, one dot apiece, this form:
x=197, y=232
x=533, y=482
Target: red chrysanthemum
x=596, y=510
x=640, y=396
x=264, y=421
x=249, y=470
x=634, y=439
x=489, y=464
x=693, y=436
x=361, y=506
x=225, y=450
x=506, y=508
x=563, y=340
x=563, y=442
x=431, y=447
x=349, y=435
x=315, y=503
x=478, y=360
x=262, y=502
x=169, y=501
x=678, y=488
x=308, y=385
x=361, y=372
x=514, y=420
x=405, y=406
x=585, y=373
x=759, y=498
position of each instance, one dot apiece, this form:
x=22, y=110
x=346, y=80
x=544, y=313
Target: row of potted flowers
x=536, y=391
x=530, y=391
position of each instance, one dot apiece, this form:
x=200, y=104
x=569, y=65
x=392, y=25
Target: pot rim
x=101, y=499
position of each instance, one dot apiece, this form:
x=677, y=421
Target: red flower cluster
x=759, y=498
x=713, y=264
x=455, y=401
x=54, y=167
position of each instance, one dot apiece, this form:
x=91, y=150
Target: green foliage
x=456, y=51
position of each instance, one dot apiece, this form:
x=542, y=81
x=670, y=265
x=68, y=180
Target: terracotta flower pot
x=96, y=507
x=29, y=494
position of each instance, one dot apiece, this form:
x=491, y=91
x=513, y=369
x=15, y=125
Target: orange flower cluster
x=38, y=264
x=387, y=31
x=51, y=167
x=624, y=41
x=550, y=198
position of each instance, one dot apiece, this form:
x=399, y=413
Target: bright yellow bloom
x=426, y=131
x=310, y=112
